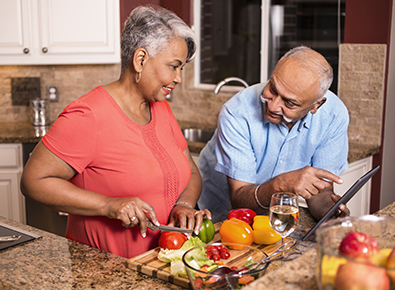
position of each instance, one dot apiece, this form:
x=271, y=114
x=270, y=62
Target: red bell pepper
x=245, y=214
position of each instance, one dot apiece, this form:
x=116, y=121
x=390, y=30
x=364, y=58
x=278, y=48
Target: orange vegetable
x=201, y=275
x=236, y=231
x=246, y=279
x=263, y=231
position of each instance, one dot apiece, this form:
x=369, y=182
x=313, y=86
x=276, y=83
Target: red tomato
x=171, y=240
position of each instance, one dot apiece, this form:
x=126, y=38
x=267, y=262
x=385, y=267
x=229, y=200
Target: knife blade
x=153, y=227
x=9, y=238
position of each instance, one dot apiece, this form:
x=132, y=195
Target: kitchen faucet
x=227, y=80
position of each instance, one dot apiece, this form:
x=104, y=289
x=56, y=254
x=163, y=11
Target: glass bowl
x=240, y=255
x=329, y=237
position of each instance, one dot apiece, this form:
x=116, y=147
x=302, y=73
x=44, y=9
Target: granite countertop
x=54, y=262
x=21, y=132
x=356, y=151
x=24, y=132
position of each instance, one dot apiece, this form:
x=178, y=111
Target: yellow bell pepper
x=329, y=266
x=236, y=231
x=263, y=231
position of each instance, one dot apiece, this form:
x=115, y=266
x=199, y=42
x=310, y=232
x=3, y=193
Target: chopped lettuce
x=174, y=257
x=177, y=268
x=191, y=243
x=169, y=256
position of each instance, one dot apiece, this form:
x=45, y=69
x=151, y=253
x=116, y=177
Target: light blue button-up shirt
x=249, y=148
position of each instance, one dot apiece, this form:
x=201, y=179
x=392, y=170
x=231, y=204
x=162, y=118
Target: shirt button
x=281, y=161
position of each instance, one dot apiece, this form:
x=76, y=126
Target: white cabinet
x=360, y=203
x=12, y=202
x=59, y=32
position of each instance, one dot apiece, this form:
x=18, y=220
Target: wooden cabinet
x=12, y=202
x=59, y=32
x=359, y=205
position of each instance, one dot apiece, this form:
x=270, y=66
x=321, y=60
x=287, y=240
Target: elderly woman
x=116, y=156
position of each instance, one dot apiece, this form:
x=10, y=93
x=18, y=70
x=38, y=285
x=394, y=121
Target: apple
x=358, y=245
x=354, y=275
x=390, y=265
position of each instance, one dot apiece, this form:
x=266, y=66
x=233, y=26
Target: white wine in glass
x=284, y=213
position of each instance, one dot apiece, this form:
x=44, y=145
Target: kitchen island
x=54, y=262
x=24, y=132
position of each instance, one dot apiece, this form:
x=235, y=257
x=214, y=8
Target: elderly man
x=289, y=134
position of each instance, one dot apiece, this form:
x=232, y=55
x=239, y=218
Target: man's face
x=290, y=93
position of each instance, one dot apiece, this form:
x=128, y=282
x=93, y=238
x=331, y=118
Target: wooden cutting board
x=148, y=263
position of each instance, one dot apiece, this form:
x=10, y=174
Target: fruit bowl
x=240, y=255
x=366, y=262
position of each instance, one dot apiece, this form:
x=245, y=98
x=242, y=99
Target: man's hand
x=322, y=202
x=343, y=210
x=307, y=181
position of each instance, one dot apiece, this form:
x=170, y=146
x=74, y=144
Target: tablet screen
x=333, y=211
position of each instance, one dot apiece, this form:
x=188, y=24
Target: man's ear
x=317, y=105
x=139, y=58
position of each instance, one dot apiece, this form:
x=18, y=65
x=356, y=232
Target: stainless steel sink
x=197, y=135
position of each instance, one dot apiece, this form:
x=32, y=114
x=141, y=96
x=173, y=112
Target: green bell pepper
x=207, y=231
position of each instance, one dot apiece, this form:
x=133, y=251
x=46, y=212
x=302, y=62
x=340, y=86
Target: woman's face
x=161, y=74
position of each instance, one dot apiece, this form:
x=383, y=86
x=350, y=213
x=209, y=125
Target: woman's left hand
x=186, y=217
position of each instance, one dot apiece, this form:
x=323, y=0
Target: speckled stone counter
x=356, y=151
x=21, y=132
x=299, y=274
x=54, y=262
x=24, y=132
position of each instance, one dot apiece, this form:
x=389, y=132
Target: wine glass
x=284, y=213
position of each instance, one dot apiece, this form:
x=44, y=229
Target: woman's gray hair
x=316, y=64
x=152, y=27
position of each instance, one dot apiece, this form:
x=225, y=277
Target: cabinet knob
x=45, y=50
x=26, y=50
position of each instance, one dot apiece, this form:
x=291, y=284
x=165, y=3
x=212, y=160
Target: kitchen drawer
x=10, y=156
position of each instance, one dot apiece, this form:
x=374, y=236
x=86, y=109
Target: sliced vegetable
x=174, y=257
x=245, y=214
x=171, y=240
x=246, y=279
x=263, y=231
x=236, y=231
x=207, y=231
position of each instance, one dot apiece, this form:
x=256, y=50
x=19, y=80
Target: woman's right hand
x=131, y=211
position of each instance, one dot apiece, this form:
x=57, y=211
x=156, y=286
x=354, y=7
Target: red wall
x=369, y=21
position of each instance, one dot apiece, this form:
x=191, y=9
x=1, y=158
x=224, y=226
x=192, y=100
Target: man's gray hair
x=316, y=64
x=152, y=27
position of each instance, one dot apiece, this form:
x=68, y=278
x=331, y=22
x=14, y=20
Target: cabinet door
x=11, y=201
x=15, y=26
x=359, y=205
x=74, y=27
x=38, y=32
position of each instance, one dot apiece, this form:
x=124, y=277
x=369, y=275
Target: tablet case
x=333, y=211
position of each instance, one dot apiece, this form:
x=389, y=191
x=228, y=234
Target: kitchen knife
x=9, y=238
x=167, y=228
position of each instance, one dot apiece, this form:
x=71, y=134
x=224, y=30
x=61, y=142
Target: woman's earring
x=138, y=77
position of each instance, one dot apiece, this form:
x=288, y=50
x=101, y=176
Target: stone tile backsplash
x=361, y=87
x=73, y=81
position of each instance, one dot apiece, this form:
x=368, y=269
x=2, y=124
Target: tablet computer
x=333, y=211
